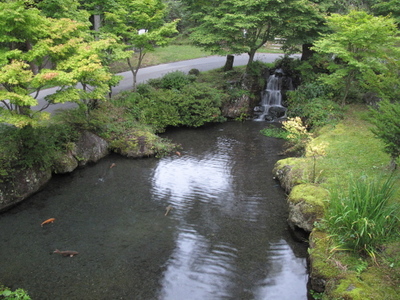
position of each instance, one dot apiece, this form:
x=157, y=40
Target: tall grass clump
x=365, y=217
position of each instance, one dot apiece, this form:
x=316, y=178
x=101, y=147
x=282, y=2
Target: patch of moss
x=291, y=171
x=321, y=266
x=310, y=193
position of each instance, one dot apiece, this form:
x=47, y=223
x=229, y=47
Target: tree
x=305, y=21
x=365, y=50
x=238, y=26
x=30, y=41
x=388, y=7
x=387, y=127
x=59, y=9
x=243, y=26
x=139, y=25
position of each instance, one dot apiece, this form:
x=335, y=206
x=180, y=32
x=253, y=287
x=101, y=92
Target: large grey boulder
x=90, y=148
x=24, y=183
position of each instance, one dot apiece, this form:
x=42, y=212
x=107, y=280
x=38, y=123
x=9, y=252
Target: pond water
x=226, y=236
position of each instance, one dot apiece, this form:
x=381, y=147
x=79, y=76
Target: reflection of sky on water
x=195, y=272
x=224, y=222
x=185, y=177
x=284, y=276
x=198, y=272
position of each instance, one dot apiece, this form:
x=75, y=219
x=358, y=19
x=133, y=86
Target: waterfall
x=271, y=107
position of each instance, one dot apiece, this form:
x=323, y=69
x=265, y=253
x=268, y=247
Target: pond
x=226, y=236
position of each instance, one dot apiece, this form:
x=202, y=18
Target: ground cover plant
x=364, y=217
x=358, y=246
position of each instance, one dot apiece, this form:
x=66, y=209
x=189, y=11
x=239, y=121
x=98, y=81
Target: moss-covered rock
x=290, y=172
x=306, y=206
x=321, y=268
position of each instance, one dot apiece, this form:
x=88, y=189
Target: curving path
x=144, y=74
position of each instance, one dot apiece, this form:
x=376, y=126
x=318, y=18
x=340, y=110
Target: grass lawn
x=352, y=151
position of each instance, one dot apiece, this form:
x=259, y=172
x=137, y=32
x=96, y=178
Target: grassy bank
x=351, y=151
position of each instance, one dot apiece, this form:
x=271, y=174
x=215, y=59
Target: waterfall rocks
x=271, y=106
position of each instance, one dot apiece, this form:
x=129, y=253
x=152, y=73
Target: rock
x=276, y=112
x=65, y=163
x=90, y=148
x=289, y=172
x=23, y=184
x=306, y=206
x=137, y=147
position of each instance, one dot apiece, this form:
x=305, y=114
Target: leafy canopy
x=38, y=52
x=365, y=50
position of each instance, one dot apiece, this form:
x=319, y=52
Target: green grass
x=276, y=132
x=351, y=150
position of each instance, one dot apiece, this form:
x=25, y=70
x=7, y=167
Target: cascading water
x=271, y=107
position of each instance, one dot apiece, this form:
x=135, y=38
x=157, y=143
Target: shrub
x=199, y=104
x=363, y=218
x=176, y=80
x=32, y=146
x=18, y=294
x=387, y=128
x=312, y=103
x=298, y=136
x=195, y=72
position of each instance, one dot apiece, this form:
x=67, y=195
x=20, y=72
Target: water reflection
x=286, y=272
x=226, y=237
x=229, y=241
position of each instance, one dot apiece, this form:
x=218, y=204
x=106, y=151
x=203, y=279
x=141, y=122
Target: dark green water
x=225, y=238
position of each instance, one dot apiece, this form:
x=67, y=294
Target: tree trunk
x=96, y=23
x=251, y=54
x=229, y=63
x=306, y=52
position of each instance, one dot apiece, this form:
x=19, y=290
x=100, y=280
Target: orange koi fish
x=51, y=220
x=112, y=165
x=66, y=253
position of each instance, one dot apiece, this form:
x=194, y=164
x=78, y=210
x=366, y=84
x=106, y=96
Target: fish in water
x=66, y=253
x=51, y=220
x=112, y=165
x=168, y=209
x=178, y=153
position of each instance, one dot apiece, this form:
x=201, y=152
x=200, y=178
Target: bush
x=387, y=128
x=364, y=218
x=18, y=294
x=199, y=104
x=297, y=135
x=312, y=103
x=192, y=105
x=173, y=80
x=32, y=146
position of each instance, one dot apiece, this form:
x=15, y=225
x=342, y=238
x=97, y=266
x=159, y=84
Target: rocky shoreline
x=89, y=148
x=306, y=204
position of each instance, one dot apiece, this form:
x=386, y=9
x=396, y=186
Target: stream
x=226, y=236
